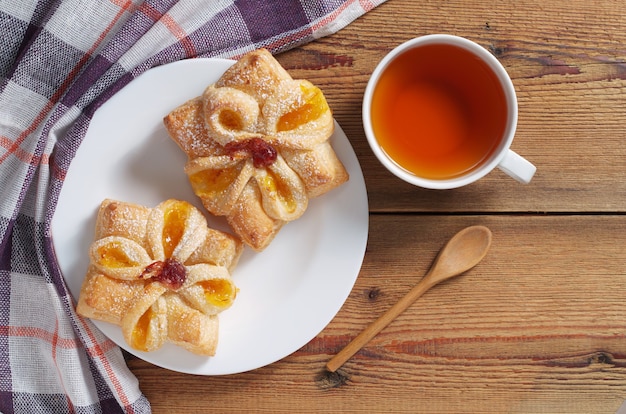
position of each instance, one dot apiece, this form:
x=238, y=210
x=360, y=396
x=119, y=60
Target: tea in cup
x=440, y=112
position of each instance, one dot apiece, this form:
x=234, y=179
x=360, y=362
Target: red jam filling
x=262, y=152
x=170, y=273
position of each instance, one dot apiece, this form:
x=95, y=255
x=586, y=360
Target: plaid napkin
x=59, y=61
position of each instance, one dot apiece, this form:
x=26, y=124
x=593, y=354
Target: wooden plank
x=568, y=63
x=538, y=326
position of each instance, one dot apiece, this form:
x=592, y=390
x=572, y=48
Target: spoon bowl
x=462, y=252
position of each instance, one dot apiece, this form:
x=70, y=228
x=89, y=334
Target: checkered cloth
x=59, y=61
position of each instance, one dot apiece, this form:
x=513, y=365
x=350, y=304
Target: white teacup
x=440, y=112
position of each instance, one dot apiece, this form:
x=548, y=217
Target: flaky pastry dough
x=161, y=274
x=258, y=146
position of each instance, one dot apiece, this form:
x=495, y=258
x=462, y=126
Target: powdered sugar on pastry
x=258, y=146
x=161, y=274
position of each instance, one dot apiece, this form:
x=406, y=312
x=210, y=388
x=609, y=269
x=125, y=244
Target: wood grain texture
x=539, y=326
x=567, y=61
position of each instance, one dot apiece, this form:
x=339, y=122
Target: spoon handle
x=375, y=327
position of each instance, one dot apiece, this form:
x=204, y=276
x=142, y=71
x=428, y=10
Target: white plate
x=288, y=293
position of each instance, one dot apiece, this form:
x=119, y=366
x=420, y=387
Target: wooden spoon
x=461, y=253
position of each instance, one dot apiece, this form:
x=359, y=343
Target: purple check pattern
x=59, y=61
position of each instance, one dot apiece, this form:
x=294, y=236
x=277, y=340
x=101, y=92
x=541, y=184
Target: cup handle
x=517, y=167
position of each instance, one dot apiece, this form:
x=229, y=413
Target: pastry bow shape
x=257, y=137
x=254, y=130
x=171, y=287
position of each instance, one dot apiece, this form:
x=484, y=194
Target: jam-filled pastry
x=161, y=274
x=258, y=148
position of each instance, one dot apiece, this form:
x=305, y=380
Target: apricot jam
x=113, y=256
x=277, y=187
x=175, y=217
x=231, y=120
x=218, y=292
x=314, y=106
x=210, y=182
x=140, y=332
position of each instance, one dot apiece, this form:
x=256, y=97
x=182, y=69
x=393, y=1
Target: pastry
x=258, y=148
x=161, y=274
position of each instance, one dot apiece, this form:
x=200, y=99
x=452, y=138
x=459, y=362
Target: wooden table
x=540, y=324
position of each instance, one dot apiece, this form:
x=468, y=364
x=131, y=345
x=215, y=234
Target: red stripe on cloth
x=57, y=171
x=150, y=12
x=366, y=5
x=37, y=333
x=55, y=341
x=14, y=147
x=96, y=350
x=103, y=348
x=24, y=156
x=125, y=5
x=180, y=34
